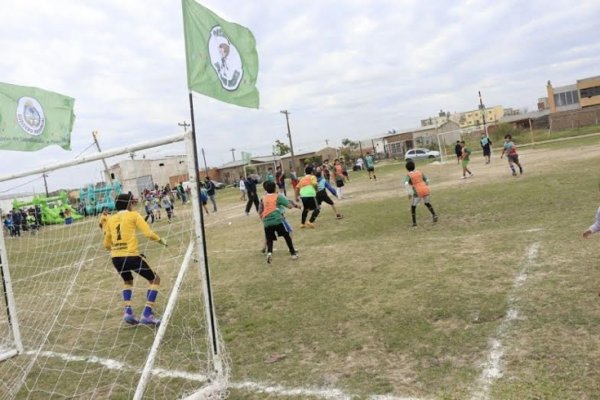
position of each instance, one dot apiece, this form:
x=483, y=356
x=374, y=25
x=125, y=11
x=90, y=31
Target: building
x=467, y=119
x=373, y=146
x=475, y=118
x=562, y=98
x=137, y=175
x=581, y=94
x=575, y=105
x=442, y=118
x=326, y=153
x=589, y=91
x=398, y=143
x=529, y=120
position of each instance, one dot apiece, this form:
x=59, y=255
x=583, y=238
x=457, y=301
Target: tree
x=281, y=148
x=349, y=143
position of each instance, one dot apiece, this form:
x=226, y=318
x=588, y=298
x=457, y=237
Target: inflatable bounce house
x=97, y=198
x=55, y=210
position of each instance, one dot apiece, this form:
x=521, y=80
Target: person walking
x=251, y=191
x=458, y=151
x=486, y=145
x=242, y=189
x=466, y=158
x=211, y=191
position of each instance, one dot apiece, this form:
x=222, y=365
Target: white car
x=417, y=154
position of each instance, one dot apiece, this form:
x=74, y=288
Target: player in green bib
x=466, y=154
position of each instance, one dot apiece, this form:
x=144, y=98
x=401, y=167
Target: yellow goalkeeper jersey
x=120, y=233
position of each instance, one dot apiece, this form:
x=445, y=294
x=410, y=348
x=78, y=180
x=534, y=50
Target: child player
x=121, y=239
x=511, y=153
x=466, y=158
x=271, y=216
x=416, y=186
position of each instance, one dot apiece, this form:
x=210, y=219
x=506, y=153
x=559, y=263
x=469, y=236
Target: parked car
x=418, y=154
x=219, y=185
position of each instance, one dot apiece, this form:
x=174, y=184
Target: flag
x=32, y=118
x=246, y=157
x=221, y=57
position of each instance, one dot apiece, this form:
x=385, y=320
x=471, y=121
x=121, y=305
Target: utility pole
x=326, y=142
x=289, y=134
x=45, y=184
x=482, y=109
x=184, y=124
x=232, y=150
x=94, y=135
x=204, y=158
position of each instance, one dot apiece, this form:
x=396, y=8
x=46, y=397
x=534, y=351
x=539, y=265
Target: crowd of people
x=20, y=220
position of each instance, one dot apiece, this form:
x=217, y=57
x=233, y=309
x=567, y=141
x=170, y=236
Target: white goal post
x=61, y=328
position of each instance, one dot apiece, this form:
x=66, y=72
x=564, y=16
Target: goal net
x=62, y=333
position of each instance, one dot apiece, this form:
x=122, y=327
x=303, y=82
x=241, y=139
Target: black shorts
x=514, y=158
x=309, y=203
x=339, y=183
x=487, y=151
x=126, y=265
x=371, y=169
x=278, y=229
x=323, y=197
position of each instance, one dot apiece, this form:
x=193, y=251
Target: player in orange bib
x=416, y=185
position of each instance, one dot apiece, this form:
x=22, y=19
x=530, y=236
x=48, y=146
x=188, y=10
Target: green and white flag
x=246, y=157
x=221, y=57
x=32, y=118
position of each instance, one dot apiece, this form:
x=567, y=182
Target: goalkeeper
x=120, y=238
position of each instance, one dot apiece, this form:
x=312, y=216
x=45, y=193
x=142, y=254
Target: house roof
x=233, y=164
x=524, y=116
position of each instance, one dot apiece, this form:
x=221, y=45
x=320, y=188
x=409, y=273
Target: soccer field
x=497, y=300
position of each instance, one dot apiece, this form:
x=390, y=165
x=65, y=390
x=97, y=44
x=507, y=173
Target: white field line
x=493, y=366
x=120, y=366
x=327, y=394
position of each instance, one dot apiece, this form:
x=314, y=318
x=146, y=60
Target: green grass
x=373, y=307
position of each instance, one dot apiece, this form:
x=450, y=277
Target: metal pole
x=232, y=150
x=94, y=133
x=98, y=156
x=211, y=310
x=289, y=134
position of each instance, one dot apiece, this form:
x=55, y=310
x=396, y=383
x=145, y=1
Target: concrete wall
x=575, y=119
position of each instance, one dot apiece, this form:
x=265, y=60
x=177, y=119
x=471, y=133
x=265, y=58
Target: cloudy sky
x=343, y=68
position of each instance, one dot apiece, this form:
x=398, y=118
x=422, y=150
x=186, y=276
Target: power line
x=23, y=184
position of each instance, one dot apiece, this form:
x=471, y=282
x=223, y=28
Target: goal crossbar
x=99, y=156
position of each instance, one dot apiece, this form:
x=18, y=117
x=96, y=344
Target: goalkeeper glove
x=163, y=242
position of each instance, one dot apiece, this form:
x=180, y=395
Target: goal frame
x=219, y=372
